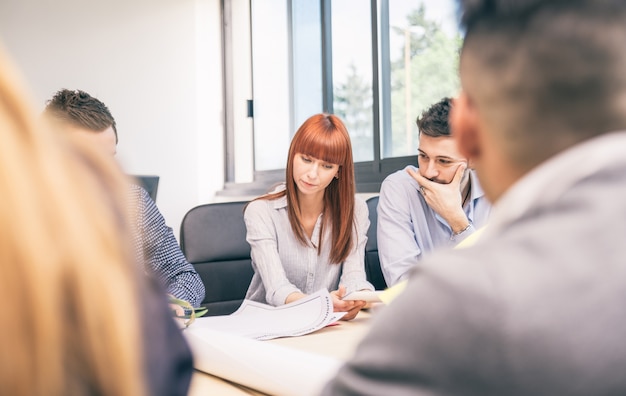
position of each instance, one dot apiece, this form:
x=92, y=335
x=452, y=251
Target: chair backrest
x=213, y=238
x=372, y=262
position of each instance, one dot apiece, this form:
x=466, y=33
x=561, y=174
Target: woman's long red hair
x=325, y=137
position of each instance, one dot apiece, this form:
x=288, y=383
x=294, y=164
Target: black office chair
x=372, y=262
x=213, y=238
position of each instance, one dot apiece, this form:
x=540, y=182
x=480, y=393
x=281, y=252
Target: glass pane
x=282, y=104
x=424, y=43
x=352, y=73
x=270, y=83
x=307, y=60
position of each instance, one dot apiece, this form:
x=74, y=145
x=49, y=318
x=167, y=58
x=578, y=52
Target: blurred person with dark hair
x=155, y=244
x=535, y=307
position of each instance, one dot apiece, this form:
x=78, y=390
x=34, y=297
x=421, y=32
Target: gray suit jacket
x=537, y=307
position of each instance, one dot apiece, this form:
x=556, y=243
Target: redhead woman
x=310, y=232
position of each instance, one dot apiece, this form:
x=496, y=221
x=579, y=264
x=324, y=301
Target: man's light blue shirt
x=409, y=228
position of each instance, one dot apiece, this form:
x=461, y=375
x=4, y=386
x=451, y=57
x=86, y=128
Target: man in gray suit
x=537, y=305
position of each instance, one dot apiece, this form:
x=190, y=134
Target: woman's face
x=311, y=174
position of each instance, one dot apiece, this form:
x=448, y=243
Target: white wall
x=157, y=66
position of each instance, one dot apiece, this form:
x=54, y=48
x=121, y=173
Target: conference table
x=338, y=340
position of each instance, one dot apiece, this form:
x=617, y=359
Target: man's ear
x=464, y=125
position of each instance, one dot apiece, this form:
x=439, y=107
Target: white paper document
x=264, y=322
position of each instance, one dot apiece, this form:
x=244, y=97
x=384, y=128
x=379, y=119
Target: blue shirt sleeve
x=163, y=256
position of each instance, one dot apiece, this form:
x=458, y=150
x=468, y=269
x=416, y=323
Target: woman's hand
x=351, y=307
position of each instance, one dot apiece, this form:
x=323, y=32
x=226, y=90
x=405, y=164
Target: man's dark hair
x=545, y=74
x=80, y=109
x=434, y=121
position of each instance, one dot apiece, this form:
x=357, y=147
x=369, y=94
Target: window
x=423, y=48
x=377, y=64
x=352, y=73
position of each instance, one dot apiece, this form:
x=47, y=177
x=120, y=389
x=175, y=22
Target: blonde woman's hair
x=69, y=323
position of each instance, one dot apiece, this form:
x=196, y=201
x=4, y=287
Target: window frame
x=369, y=175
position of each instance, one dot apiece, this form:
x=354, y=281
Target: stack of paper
x=264, y=322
